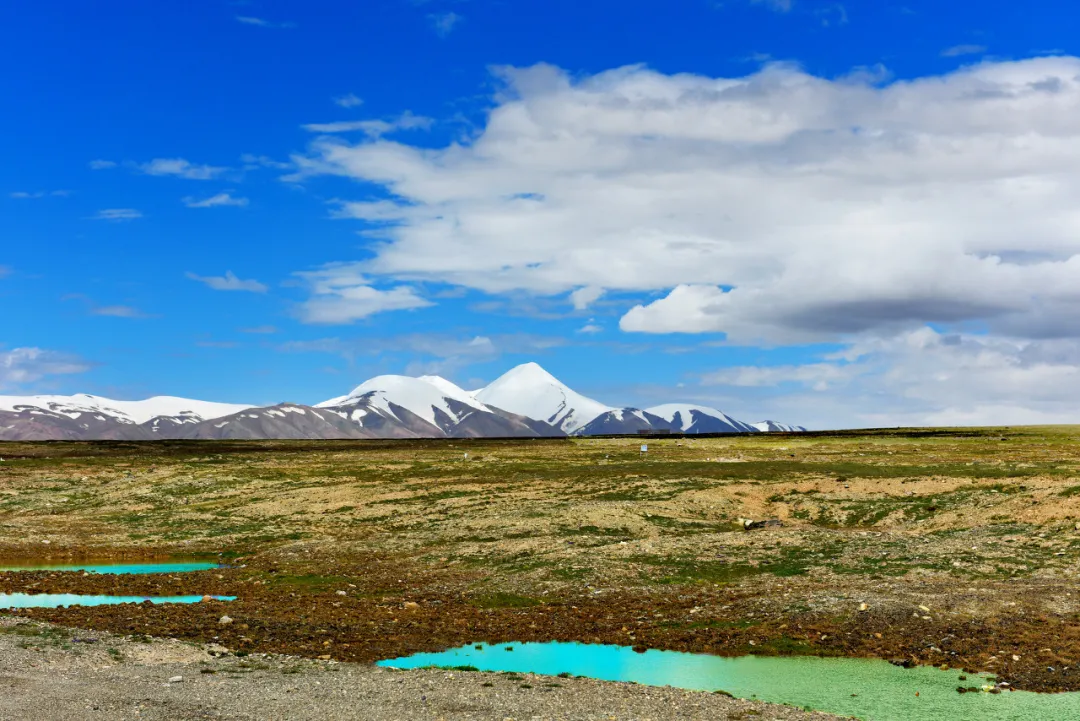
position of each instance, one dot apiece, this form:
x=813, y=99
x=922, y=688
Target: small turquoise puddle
x=868, y=689
x=124, y=568
x=56, y=600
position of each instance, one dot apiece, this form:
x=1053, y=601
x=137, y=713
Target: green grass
x=506, y=600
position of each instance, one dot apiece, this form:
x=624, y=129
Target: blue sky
x=781, y=208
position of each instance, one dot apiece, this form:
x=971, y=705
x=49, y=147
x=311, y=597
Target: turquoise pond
x=123, y=568
x=868, y=689
x=56, y=600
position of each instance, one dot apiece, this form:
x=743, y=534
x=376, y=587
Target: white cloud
x=815, y=375
x=373, y=128
x=781, y=6
x=117, y=214
x=260, y=329
x=102, y=164
x=582, y=298
x=444, y=23
x=253, y=162
x=180, y=168
x=348, y=101
x=924, y=377
x=958, y=50
x=214, y=201
x=27, y=365
x=780, y=206
x=340, y=295
x=429, y=353
x=23, y=195
x=229, y=281
x=591, y=328
x=118, y=311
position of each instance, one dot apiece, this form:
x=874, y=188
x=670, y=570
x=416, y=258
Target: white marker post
x=644, y=451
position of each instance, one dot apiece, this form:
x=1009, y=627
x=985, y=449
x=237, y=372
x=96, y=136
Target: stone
x=225, y=621
x=176, y=679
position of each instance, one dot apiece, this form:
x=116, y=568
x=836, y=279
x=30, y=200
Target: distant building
x=654, y=432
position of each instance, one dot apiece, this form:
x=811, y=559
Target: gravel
x=49, y=672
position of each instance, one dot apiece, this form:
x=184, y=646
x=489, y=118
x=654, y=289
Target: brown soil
x=956, y=548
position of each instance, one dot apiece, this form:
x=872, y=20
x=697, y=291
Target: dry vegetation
x=954, y=547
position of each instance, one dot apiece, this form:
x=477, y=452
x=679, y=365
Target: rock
x=225, y=621
x=176, y=679
x=342, y=593
x=751, y=525
x=411, y=605
x=863, y=607
x=924, y=609
x=204, y=599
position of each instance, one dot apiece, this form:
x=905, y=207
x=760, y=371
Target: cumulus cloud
x=216, y=201
x=117, y=214
x=582, y=298
x=27, y=365
x=777, y=207
x=341, y=294
x=229, y=281
x=924, y=377
x=180, y=168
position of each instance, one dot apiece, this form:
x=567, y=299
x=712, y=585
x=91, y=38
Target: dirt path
x=48, y=672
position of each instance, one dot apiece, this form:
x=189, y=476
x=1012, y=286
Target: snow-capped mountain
x=531, y=391
x=134, y=412
x=774, y=427
x=622, y=421
x=429, y=407
x=527, y=401
x=85, y=416
x=686, y=418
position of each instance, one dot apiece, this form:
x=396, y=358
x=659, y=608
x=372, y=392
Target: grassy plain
x=955, y=547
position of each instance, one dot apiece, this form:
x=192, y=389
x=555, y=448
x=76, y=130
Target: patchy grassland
x=958, y=546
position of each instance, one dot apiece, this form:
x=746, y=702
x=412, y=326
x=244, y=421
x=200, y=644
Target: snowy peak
x=531, y=391
x=774, y=427
x=127, y=412
x=435, y=400
x=688, y=418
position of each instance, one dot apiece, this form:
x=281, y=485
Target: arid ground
x=955, y=547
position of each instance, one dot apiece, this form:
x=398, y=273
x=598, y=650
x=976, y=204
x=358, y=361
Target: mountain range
x=527, y=401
